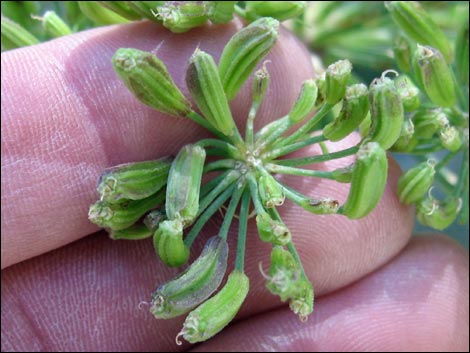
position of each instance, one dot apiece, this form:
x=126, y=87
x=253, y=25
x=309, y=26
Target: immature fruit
x=272, y=231
x=414, y=184
x=305, y=103
x=368, y=181
x=336, y=80
x=284, y=274
x=438, y=214
x=354, y=110
x=184, y=184
x=386, y=110
x=133, y=181
x=244, y=51
x=203, y=82
x=302, y=303
x=280, y=10
x=182, y=17
x=194, y=285
x=220, y=11
x=270, y=192
x=148, y=79
x=168, y=242
x=212, y=316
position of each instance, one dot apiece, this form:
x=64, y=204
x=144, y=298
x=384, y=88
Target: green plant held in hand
x=166, y=198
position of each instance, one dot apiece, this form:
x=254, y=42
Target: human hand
x=66, y=117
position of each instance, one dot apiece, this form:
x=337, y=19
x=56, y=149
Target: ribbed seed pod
x=414, y=184
x=54, y=25
x=305, y=103
x=435, y=76
x=284, y=274
x=429, y=121
x=168, y=242
x=280, y=10
x=272, y=231
x=302, y=303
x=15, y=36
x=354, y=110
x=270, y=192
x=368, y=181
x=148, y=79
x=133, y=181
x=438, y=214
x=402, y=54
x=409, y=93
x=182, y=17
x=203, y=82
x=244, y=51
x=212, y=316
x=461, y=55
x=183, y=293
x=135, y=232
x=184, y=184
x=220, y=11
x=386, y=110
x=100, y=14
x=450, y=138
x=336, y=79
x=147, y=9
x=118, y=216
x=122, y=8
x=407, y=140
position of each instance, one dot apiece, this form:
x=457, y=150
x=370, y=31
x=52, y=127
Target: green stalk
x=221, y=145
x=205, y=124
x=317, y=159
x=242, y=230
x=249, y=135
x=255, y=193
x=223, y=233
x=275, y=168
x=208, y=213
x=220, y=164
x=229, y=179
x=281, y=151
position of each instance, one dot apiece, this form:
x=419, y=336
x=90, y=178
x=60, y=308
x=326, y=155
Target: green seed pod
x=14, y=35
x=203, y=82
x=320, y=81
x=434, y=75
x=133, y=181
x=461, y=55
x=402, y=54
x=354, y=110
x=137, y=231
x=386, y=110
x=184, y=184
x=148, y=79
x=450, y=138
x=364, y=127
x=220, y=11
x=147, y=9
x=54, y=25
x=181, y=18
x=244, y=51
x=122, y=8
x=343, y=175
x=407, y=140
x=409, y=93
x=260, y=84
x=302, y=303
x=153, y=219
x=270, y=192
x=414, y=184
x=284, y=274
x=336, y=80
x=418, y=25
x=183, y=293
x=305, y=103
x=272, y=231
x=100, y=14
x=118, y=216
x=368, y=181
x=428, y=122
x=438, y=214
x=280, y=10
x=212, y=316
x=168, y=242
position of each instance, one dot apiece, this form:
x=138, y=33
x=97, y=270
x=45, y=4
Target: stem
x=463, y=176
x=274, y=168
x=444, y=161
x=223, y=233
x=281, y=151
x=208, y=213
x=255, y=194
x=249, y=136
x=228, y=180
x=317, y=159
x=219, y=144
x=295, y=254
x=242, y=230
x=305, y=129
x=205, y=124
x=207, y=187
x=220, y=164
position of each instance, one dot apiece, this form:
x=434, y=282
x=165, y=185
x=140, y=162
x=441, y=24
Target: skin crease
x=66, y=117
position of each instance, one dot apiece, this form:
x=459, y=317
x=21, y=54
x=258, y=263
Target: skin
x=66, y=286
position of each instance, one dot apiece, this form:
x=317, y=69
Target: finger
x=417, y=302
x=66, y=117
